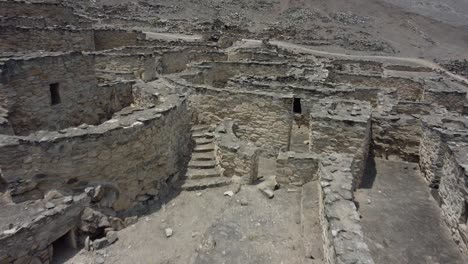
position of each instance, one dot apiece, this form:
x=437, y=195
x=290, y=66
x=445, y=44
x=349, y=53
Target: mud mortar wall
x=263, y=119
x=113, y=38
x=139, y=154
x=25, y=39
x=25, y=92
x=52, y=13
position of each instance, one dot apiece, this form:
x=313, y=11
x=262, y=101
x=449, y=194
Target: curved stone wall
x=138, y=151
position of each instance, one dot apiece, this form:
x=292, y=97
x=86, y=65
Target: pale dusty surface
x=400, y=219
x=264, y=231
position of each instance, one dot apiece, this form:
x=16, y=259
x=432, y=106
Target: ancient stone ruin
x=105, y=126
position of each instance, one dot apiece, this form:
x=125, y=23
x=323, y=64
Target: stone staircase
x=203, y=171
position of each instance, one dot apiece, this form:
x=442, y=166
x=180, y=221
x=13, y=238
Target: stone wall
x=342, y=126
x=218, y=73
x=452, y=100
x=396, y=137
x=31, y=240
x=22, y=21
x=264, y=119
x=113, y=38
x=453, y=192
x=28, y=39
x=236, y=157
x=296, y=168
x=53, y=14
x=139, y=151
x=141, y=66
x=406, y=89
x=25, y=91
x=342, y=232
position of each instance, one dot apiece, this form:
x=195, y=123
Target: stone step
x=194, y=174
x=200, y=128
x=203, y=141
x=202, y=135
x=202, y=164
x=203, y=156
x=193, y=185
x=204, y=148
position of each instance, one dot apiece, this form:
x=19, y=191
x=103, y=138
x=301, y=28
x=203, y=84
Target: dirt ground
x=401, y=221
x=209, y=227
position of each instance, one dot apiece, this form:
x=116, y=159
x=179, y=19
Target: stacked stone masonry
x=89, y=106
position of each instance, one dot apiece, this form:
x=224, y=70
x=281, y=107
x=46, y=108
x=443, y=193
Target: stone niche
x=342, y=126
x=61, y=95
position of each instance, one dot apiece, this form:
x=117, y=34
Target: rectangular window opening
x=297, y=108
x=54, y=94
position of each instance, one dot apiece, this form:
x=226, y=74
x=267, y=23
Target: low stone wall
x=342, y=232
x=113, y=38
x=142, y=65
x=30, y=241
x=218, y=73
x=139, y=151
x=296, y=168
x=342, y=126
x=28, y=39
x=236, y=157
x=453, y=192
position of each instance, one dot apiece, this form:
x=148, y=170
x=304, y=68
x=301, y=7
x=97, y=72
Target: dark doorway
x=297, y=108
x=64, y=248
x=54, y=94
